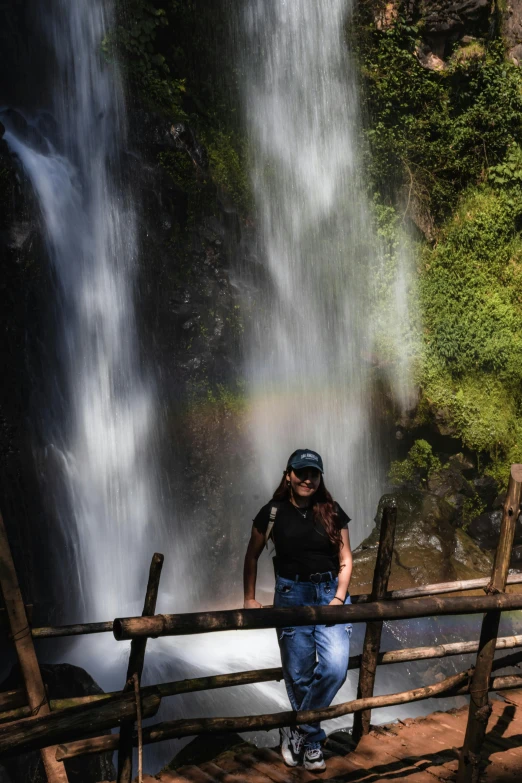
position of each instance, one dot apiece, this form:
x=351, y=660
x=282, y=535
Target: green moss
x=228, y=167
x=135, y=41
x=471, y=298
x=418, y=466
x=232, y=401
x=234, y=321
x=472, y=288
x=465, y=56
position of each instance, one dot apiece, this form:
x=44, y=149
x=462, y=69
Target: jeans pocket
x=283, y=587
x=285, y=632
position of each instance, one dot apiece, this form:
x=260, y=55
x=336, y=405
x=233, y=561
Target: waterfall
x=99, y=424
x=308, y=351
x=310, y=342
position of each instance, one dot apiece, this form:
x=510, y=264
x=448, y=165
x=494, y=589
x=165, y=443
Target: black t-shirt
x=301, y=544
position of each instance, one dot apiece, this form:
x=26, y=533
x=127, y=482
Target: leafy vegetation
x=173, y=52
x=444, y=151
x=418, y=466
x=437, y=132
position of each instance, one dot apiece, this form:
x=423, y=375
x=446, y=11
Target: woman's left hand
x=335, y=602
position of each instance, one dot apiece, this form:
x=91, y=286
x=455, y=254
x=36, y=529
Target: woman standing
x=313, y=565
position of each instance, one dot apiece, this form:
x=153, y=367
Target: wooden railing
x=58, y=727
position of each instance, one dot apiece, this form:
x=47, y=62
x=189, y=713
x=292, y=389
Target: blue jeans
x=314, y=657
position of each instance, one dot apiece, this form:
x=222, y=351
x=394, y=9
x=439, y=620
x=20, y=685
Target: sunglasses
x=304, y=473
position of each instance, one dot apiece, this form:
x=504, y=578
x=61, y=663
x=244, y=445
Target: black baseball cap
x=305, y=458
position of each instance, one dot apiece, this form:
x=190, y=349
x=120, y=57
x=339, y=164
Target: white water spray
x=101, y=419
x=310, y=345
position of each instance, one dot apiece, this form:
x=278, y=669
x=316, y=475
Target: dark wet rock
x=153, y=132
x=512, y=30
x=450, y=484
x=428, y=547
x=461, y=462
x=192, y=326
x=25, y=285
x=442, y=419
x=485, y=529
x=14, y=121
x=441, y=17
x=62, y=680
x=516, y=558
x=499, y=500
x=185, y=139
x=442, y=24
x=486, y=488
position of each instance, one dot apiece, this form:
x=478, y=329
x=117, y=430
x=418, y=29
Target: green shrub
x=436, y=133
x=447, y=146
x=418, y=466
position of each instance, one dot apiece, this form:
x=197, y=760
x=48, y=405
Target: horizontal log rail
x=9, y=700
x=254, y=676
x=457, y=684
x=80, y=629
x=440, y=588
x=59, y=631
x=165, y=689
x=245, y=619
x=21, y=737
x=74, y=722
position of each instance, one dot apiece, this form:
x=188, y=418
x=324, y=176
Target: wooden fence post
x=372, y=637
x=480, y=708
x=135, y=669
x=21, y=634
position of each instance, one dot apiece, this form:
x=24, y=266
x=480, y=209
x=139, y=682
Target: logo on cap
x=307, y=455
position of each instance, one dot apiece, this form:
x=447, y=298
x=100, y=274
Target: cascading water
x=308, y=356
x=310, y=346
x=101, y=420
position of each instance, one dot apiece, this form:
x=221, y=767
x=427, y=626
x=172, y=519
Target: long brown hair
x=323, y=505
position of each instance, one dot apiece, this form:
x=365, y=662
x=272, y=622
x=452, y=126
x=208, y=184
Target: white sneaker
x=291, y=745
x=313, y=758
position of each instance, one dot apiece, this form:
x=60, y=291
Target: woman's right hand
x=251, y=603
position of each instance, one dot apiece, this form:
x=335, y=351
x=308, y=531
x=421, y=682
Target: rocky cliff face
x=429, y=547
x=442, y=24
x=512, y=30
x=26, y=291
